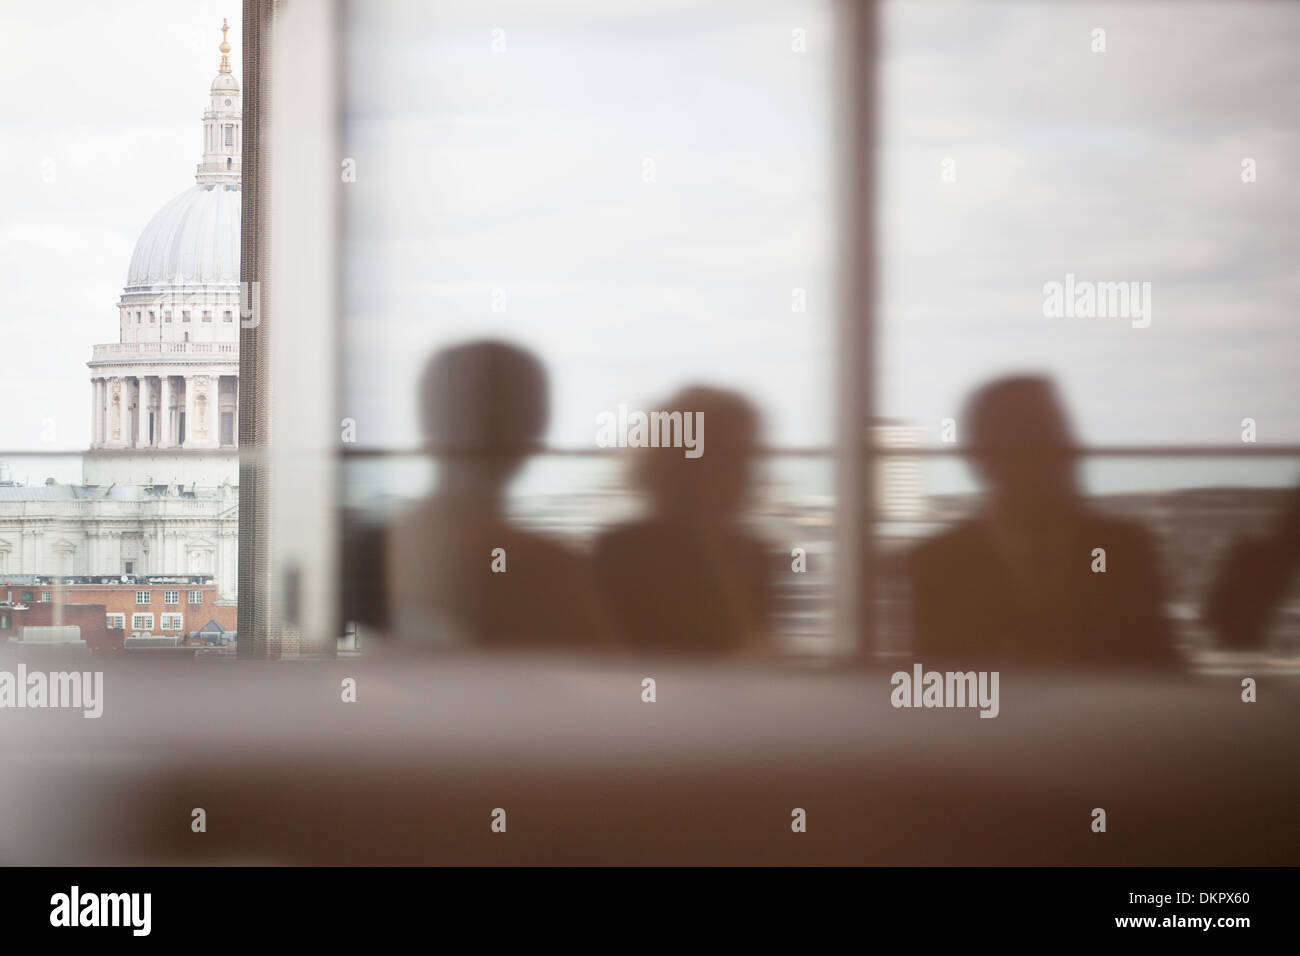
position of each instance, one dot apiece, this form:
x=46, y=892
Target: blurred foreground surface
x=589, y=774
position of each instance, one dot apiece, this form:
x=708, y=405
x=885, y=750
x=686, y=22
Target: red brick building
x=91, y=619
x=162, y=605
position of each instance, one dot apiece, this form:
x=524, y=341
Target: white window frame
x=146, y=597
x=141, y=621
x=171, y=597
x=300, y=505
x=196, y=593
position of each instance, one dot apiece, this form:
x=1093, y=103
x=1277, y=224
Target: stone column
x=101, y=393
x=142, y=410
x=106, y=425
x=189, y=409
x=131, y=410
x=165, y=437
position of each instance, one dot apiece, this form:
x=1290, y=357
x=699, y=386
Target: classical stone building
x=171, y=380
x=158, y=491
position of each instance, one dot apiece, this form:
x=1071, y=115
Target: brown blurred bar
x=589, y=774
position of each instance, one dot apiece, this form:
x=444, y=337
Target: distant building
x=171, y=382
x=159, y=605
x=158, y=493
x=32, y=623
x=86, y=530
x=900, y=486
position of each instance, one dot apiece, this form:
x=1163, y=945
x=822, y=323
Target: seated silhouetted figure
x=688, y=578
x=458, y=570
x=1023, y=582
x=1252, y=580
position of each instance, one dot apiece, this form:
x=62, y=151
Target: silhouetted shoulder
x=963, y=540
x=620, y=540
x=1124, y=605
x=668, y=586
x=546, y=593
x=959, y=596
x=660, y=541
x=665, y=537
x=1119, y=532
x=1094, y=597
x=495, y=584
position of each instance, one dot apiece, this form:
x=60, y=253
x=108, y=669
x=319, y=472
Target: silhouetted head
x=483, y=408
x=1021, y=443
x=712, y=486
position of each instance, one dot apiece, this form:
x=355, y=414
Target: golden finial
x=225, y=47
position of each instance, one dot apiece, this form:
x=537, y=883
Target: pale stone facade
x=83, y=530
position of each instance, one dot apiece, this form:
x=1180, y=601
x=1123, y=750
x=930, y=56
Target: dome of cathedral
x=192, y=239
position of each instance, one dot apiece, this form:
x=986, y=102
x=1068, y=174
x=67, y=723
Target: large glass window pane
x=1087, y=239
x=641, y=202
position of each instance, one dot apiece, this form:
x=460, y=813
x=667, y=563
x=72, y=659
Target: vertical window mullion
x=855, y=454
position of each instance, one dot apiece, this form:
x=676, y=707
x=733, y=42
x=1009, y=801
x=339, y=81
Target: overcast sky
x=524, y=170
